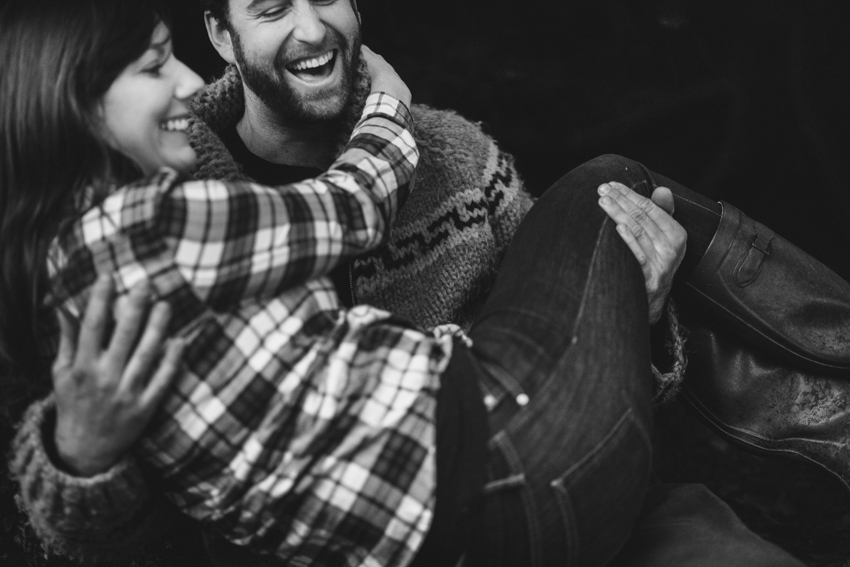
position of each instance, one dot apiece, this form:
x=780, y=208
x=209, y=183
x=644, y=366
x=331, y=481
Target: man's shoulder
x=454, y=151
x=446, y=128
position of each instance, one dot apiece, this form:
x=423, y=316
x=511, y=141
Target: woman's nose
x=189, y=83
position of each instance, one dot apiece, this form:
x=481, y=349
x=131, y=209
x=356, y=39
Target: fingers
x=67, y=344
x=166, y=372
x=130, y=314
x=636, y=247
x=96, y=318
x=384, y=78
x=639, y=217
x=149, y=349
x=663, y=197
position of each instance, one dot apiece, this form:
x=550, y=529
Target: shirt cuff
x=388, y=106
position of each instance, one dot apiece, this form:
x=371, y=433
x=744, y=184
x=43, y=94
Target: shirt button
x=489, y=401
x=522, y=400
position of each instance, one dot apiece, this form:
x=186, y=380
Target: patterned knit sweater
x=449, y=237
x=441, y=260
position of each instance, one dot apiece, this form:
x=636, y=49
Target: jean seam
x=503, y=442
x=696, y=204
x=593, y=454
x=675, y=196
x=570, y=524
x=584, y=291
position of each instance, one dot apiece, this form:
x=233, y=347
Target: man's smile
x=314, y=69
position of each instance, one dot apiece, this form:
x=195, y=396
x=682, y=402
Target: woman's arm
x=263, y=240
x=230, y=241
x=82, y=498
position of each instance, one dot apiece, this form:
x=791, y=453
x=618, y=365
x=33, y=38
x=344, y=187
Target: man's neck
x=267, y=136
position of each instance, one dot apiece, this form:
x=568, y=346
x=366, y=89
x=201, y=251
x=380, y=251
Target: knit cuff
x=667, y=384
x=104, y=517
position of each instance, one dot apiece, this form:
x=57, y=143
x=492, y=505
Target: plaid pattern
x=297, y=428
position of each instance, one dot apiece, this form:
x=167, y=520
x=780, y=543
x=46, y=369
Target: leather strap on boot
x=754, y=285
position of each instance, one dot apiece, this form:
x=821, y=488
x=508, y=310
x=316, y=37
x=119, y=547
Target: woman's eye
x=153, y=70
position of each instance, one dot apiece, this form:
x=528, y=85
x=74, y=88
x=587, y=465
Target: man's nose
x=308, y=27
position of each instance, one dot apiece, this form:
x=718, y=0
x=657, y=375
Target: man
x=280, y=114
x=284, y=108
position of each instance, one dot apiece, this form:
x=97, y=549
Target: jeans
x=561, y=352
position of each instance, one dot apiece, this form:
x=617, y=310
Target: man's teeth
x=176, y=125
x=312, y=63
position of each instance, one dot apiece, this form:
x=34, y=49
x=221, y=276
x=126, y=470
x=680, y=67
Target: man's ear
x=356, y=11
x=220, y=37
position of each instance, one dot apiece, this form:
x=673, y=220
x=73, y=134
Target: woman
x=287, y=467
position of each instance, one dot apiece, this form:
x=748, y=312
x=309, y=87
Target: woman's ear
x=220, y=37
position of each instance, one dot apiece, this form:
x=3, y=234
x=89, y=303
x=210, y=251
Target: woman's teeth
x=175, y=125
x=305, y=64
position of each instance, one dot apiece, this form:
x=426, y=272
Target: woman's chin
x=183, y=163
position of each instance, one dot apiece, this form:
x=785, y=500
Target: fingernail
x=605, y=201
x=604, y=189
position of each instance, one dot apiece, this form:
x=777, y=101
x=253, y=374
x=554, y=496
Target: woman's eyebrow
x=161, y=46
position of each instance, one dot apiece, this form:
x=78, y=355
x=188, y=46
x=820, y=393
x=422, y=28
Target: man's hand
x=657, y=241
x=106, y=397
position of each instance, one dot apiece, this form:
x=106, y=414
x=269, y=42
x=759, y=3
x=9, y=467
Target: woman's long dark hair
x=57, y=60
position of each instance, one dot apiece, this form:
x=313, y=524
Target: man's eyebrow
x=254, y=4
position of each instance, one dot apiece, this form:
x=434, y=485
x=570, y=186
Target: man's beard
x=269, y=83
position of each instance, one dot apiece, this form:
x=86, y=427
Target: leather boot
x=762, y=289
x=766, y=406
x=769, y=351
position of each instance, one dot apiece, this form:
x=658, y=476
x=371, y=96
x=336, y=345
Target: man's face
x=298, y=56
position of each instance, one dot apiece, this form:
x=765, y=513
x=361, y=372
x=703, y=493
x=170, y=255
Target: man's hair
x=219, y=8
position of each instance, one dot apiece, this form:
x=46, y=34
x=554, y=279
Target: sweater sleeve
x=106, y=517
x=507, y=198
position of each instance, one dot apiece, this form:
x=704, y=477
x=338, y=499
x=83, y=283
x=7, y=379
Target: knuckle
x=78, y=375
x=645, y=205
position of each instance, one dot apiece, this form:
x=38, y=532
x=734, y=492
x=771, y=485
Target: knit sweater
x=449, y=237
x=439, y=264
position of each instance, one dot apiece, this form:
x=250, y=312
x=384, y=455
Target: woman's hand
x=106, y=397
x=384, y=77
x=647, y=227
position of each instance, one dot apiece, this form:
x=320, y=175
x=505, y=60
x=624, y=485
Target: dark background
x=742, y=100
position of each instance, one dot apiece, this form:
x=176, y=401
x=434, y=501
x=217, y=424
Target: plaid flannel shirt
x=297, y=428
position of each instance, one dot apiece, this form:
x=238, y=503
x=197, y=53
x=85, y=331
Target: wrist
x=77, y=460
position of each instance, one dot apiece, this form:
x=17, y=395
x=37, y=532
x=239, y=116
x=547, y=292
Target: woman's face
x=146, y=110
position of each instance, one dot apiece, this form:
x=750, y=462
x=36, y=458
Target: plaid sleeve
x=255, y=241
x=233, y=240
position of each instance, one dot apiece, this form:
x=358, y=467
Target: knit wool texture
x=449, y=237
x=66, y=511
